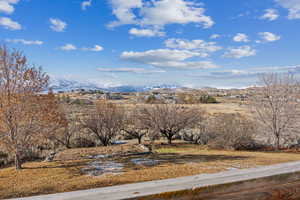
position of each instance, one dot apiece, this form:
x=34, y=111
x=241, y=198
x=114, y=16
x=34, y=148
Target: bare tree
x=232, y=131
x=134, y=126
x=200, y=134
x=66, y=124
x=276, y=106
x=106, y=122
x=169, y=120
x=21, y=103
x=73, y=127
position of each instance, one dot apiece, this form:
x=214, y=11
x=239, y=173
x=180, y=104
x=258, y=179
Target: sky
x=191, y=43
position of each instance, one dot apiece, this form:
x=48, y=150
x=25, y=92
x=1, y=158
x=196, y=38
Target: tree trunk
x=277, y=143
x=140, y=140
x=104, y=141
x=68, y=144
x=169, y=139
x=18, y=161
x=152, y=146
x=105, y=144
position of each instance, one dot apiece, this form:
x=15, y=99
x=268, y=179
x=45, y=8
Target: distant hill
x=69, y=85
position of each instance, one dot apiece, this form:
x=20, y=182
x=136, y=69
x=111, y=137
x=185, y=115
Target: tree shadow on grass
x=173, y=158
x=59, y=164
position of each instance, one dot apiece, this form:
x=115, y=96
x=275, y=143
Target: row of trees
x=110, y=120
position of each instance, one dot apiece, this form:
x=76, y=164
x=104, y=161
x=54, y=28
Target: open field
x=223, y=107
x=65, y=174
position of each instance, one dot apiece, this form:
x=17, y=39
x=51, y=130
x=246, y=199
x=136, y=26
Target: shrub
x=233, y=131
x=201, y=134
x=208, y=99
x=3, y=159
x=3, y=155
x=82, y=142
x=31, y=154
x=196, y=137
x=151, y=99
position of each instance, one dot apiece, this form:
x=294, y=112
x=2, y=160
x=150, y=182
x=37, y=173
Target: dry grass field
x=65, y=174
x=225, y=107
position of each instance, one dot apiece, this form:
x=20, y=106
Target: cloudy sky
x=194, y=43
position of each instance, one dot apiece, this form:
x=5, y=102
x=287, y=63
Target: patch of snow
x=118, y=142
x=98, y=168
x=144, y=161
x=100, y=156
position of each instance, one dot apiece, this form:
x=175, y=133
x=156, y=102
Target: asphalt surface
x=172, y=185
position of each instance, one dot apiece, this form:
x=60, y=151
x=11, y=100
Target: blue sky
x=217, y=43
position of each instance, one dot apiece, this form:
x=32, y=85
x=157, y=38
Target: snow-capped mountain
x=69, y=85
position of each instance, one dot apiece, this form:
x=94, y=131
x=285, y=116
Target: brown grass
x=178, y=160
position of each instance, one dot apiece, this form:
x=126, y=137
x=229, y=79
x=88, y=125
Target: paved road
x=170, y=185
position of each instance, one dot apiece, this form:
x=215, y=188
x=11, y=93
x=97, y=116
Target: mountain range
x=69, y=85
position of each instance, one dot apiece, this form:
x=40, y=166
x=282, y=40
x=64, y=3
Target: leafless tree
x=64, y=127
x=73, y=127
x=21, y=104
x=106, y=122
x=276, y=106
x=134, y=126
x=169, y=120
x=232, y=131
x=200, y=133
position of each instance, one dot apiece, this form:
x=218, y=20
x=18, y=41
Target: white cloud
x=187, y=65
x=86, y=4
x=254, y=71
x=8, y=23
x=123, y=10
x=214, y=36
x=146, y=32
x=6, y=6
x=293, y=7
x=270, y=14
x=57, y=25
x=240, y=52
x=95, y=48
x=163, y=12
x=198, y=45
x=268, y=37
x=25, y=42
x=232, y=72
x=68, y=47
x=168, y=58
x=130, y=70
x=158, y=13
x=71, y=47
x=240, y=37
x=159, y=55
